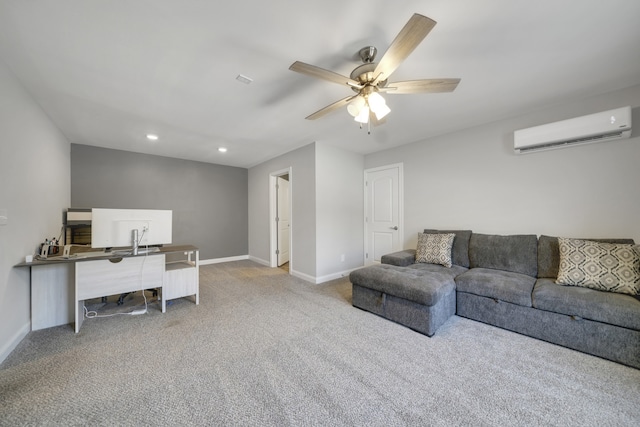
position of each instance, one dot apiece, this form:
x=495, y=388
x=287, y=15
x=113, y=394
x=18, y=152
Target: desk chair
x=154, y=293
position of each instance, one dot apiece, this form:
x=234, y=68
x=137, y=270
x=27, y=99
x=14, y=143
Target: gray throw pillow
x=434, y=248
x=603, y=266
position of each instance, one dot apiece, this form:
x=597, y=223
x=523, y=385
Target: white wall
x=339, y=211
x=472, y=179
x=35, y=190
x=327, y=211
x=303, y=218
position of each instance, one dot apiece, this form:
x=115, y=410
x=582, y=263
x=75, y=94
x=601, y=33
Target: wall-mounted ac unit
x=604, y=126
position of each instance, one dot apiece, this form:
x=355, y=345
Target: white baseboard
x=227, y=259
x=322, y=279
x=335, y=276
x=303, y=276
x=14, y=341
x=260, y=261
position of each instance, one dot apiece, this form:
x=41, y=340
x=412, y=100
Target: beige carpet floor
x=266, y=349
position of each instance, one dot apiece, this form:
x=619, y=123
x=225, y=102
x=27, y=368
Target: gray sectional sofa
x=505, y=281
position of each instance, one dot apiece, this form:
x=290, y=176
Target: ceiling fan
x=370, y=78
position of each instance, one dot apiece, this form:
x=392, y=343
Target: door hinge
x=366, y=255
x=277, y=251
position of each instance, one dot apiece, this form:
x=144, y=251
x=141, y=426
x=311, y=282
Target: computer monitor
x=116, y=228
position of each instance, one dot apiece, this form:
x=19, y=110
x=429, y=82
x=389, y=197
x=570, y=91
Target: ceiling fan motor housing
x=368, y=54
x=364, y=74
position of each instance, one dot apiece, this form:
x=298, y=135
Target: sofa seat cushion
x=502, y=285
x=425, y=286
x=607, y=307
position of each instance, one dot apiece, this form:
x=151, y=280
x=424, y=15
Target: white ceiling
x=109, y=72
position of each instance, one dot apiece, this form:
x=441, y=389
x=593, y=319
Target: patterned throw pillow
x=609, y=267
x=435, y=248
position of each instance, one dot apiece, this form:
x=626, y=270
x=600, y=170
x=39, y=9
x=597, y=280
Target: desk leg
x=197, y=264
x=79, y=304
x=79, y=314
x=52, y=295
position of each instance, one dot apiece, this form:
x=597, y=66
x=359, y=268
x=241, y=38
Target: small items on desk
x=53, y=252
x=49, y=247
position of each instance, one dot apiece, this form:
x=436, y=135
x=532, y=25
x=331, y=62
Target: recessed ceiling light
x=152, y=137
x=222, y=150
x=244, y=79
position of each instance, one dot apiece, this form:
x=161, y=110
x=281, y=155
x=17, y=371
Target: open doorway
x=280, y=219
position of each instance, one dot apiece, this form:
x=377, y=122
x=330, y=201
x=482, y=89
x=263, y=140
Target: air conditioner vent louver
x=604, y=126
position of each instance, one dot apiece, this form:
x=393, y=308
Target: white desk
x=97, y=278
x=59, y=288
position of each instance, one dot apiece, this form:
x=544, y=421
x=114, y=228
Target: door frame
x=400, y=167
x=273, y=213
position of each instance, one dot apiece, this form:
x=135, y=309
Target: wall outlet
x=4, y=218
x=342, y=258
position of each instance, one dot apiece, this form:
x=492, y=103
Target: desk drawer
x=103, y=277
x=180, y=280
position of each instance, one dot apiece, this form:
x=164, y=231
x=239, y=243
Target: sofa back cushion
x=517, y=253
x=549, y=254
x=460, y=249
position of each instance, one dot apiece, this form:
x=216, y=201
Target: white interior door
x=383, y=212
x=282, y=190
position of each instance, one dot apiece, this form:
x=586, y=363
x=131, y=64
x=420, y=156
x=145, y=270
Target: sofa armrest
x=400, y=259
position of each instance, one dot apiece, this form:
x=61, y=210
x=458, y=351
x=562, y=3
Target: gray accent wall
x=473, y=180
x=34, y=173
x=209, y=202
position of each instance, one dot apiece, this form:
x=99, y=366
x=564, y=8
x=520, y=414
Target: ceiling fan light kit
x=356, y=105
x=363, y=116
x=371, y=77
x=378, y=105
x=363, y=105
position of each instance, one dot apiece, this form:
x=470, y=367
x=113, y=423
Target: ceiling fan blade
x=329, y=108
x=414, y=31
x=321, y=73
x=421, y=86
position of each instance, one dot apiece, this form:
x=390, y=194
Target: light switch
x=3, y=217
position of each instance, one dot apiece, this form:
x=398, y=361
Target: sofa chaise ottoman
x=421, y=296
